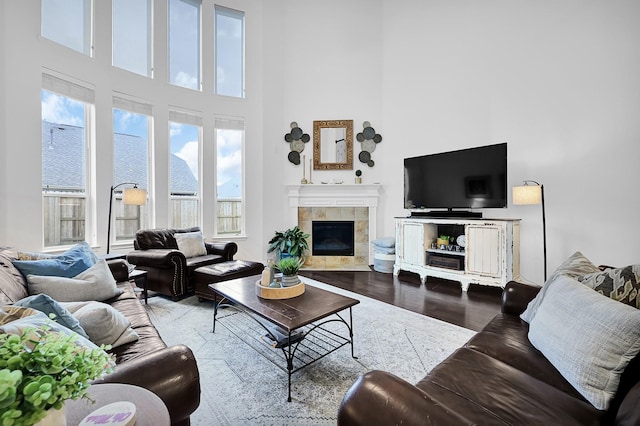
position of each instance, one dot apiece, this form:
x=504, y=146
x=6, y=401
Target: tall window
x=131, y=123
x=184, y=43
x=132, y=36
x=66, y=130
x=229, y=52
x=229, y=177
x=184, y=165
x=67, y=22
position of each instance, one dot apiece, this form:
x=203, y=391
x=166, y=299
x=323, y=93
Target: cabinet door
x=483, y=252
x=413, y=243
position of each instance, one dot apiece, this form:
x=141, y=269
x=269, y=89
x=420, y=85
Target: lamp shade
x=134, y=196
x=527, y=194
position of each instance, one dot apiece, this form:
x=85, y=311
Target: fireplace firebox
x=332, y=238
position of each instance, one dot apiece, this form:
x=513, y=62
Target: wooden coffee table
x=316, y=313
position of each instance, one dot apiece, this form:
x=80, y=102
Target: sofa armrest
x=226, y=249
x=516, y=296
x=628, y=413
x=119, y=269
x=401, y=403
x=156, y=258
x=170, y=373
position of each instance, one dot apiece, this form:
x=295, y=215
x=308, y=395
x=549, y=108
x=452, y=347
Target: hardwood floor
x=439, y=299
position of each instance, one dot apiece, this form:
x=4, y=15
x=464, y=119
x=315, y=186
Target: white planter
x=289, y=280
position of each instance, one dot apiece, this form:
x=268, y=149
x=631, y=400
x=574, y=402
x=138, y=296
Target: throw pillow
x=96, y=283
x=36, y=320
x=47, y=305
x=191, y=244
x=588, y=338
x=12, y=313
x=103, y=323
x=621, y=284
x=77, y=259
x=575, y=266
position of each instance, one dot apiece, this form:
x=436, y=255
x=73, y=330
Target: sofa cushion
x=589, y=338
x=147, y=239
x=104, y=324
x=45, y=304
x=96, y=283
x=77, y=259
x=487, y=391
x=575, y=266
x=191, y=244
x=621, y=284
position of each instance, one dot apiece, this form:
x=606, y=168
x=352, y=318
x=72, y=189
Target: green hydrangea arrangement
x=40, y=369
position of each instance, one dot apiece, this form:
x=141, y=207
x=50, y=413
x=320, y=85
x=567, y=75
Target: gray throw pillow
x=191, y=244
x=96, y=283
x=104, y=324
x=575, y=266
x=590, y=339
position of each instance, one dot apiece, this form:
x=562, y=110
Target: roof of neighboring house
x=62, y=144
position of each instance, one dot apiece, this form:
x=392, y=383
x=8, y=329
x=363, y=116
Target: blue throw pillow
x=44, y=303
x=72, y=262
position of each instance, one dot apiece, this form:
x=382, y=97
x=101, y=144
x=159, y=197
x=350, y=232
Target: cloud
x=186, y=80
x=175, y=129
x=189, y=153
x=58, y=109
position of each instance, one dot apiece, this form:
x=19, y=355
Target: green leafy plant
x=289, y=266
x=292, y=241
x=40, y=369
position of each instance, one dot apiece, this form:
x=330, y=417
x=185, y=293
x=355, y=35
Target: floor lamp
x=130, y=196
x=533, y=194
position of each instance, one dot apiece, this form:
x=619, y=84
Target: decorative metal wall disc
x=297, y=138
x=294, y=157
x=368, y=139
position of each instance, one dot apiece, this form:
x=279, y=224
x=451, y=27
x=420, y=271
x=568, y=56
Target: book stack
x=279, y=338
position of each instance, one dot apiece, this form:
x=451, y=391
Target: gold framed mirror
x=333, y=145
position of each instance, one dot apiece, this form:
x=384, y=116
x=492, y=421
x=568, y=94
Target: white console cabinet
x=488, y=253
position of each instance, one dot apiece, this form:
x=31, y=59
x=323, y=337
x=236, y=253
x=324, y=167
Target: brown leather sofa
x=169, y=272
x=497, y=378
x=169, y=372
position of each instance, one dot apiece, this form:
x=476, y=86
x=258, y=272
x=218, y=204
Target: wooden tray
x=279, y=292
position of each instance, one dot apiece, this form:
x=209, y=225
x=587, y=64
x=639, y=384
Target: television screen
x=465, y=179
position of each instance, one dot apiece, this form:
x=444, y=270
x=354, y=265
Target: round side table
x=150, y=410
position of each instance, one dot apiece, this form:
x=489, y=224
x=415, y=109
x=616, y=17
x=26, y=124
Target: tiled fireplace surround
x=359, y=203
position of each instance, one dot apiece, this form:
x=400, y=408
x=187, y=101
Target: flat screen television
x=473, y=178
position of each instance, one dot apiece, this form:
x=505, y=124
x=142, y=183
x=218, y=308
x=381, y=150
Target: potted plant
x=289, y=266
x=40, y=369
x=443, y=240
x=293, y=242
x=358, y=176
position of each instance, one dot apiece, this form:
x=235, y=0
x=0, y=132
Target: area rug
x=239, y=386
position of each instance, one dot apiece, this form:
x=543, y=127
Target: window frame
x=200, y=79
x=150, y=40
x=88, y=35
x=230, y=123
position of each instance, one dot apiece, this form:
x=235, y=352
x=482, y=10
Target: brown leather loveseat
x=169, y=372
x=169, y=271
x=497, y=378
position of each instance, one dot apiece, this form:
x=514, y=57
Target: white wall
x=26, y=55
x=557, y=80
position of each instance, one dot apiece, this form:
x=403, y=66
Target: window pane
x=185, y=189
x=63, y=169
x=132, y=35
x=229, y=52
x=67, y=22
x=229, y=180
x=130, y=160
x=184, y=43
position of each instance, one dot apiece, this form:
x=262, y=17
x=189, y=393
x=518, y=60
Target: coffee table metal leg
x=289, y=367
x=351, y=333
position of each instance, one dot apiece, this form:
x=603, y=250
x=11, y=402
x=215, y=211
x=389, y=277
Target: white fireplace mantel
x=336, y=195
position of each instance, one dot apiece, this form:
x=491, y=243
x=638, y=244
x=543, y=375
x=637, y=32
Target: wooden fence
x=64, y=217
